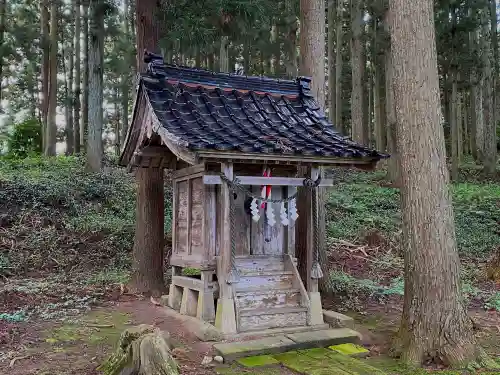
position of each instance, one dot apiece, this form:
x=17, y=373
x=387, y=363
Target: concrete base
x=206, y=309
x=202, y=330
x=286, y=342
x=225, y=318
x=338, y=320
x=316, y=312
x=175, y=297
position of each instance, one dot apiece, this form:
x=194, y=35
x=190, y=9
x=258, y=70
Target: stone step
x=286, y=342
x=267, y=298
x=268, y=318
x=268, y=280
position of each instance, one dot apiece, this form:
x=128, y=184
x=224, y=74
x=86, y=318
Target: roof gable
x=204, y=111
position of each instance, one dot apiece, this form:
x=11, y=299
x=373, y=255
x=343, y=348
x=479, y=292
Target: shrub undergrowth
x=56, y=215
x=359, y=204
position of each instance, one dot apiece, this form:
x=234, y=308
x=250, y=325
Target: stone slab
x=338, y=320
x=324, y=338
x=320, y=361
x=316, y=353
x=269, y=345
x=351, y=350
x=355, y=366
x=258, y=361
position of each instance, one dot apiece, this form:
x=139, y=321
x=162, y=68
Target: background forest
x=68, y=73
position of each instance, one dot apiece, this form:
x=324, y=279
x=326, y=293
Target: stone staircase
x=265, y=297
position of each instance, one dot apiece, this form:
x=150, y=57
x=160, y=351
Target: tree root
x=142, y=350
x=457, y=355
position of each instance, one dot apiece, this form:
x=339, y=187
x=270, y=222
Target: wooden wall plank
x=197, y=216
x=189, y=208
x=256, y=230
x=290, y=229
x=175, y=205
x=186, y=172
x=268, y=241
x=210, y=222
x=242, y=226
x=182, y=216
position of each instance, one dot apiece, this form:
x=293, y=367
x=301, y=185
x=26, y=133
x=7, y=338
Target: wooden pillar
x=225, y=319
x=316, y=312
x=305, y=249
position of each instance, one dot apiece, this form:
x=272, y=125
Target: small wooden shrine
x=241, y=148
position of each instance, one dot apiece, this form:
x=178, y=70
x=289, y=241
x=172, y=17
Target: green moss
x=191, y=271
x=349, y=349
x=237, y=370
x=97, y=328
x=317, y=353
x=256, y=361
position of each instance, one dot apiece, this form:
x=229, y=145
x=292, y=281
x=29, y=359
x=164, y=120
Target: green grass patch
x=359, y=205
x=110, y=276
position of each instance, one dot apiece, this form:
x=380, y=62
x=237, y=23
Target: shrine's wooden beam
x=270, y=181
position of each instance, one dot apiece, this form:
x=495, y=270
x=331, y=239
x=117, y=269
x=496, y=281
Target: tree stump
x=142, y=350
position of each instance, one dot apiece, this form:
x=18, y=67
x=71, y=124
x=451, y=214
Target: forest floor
x=64, y=257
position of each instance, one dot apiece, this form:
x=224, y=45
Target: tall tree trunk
x=50, y=146
x=3, y=10
x=69, y=92
x=77, y=92
x=291, y=40
x=466, y=122
x=147, y=255
x=393, y=173
x=147, y=263
x=312, y=64
x=434, y=317
x=489, y=161
x=312, y=47
x=332, y=90
x=454, y=127
x=45, y=42
x=339, y=64
x=116, y=118
x=476, y=102
x=96, y=69
x=460, y=129
x=125, y=80
x=365, y=90
x=224, y=54
x=496, y=62
x=148, y=30
x=85, y=93
x=247, y=46
x=378, y=65
x=358, y=72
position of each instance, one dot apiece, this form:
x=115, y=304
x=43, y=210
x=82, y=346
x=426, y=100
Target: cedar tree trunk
x=78, y=77
x=147, y=259
x=312, y=64
x=435, y=322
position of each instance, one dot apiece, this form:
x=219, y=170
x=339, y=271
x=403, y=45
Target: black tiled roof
x=225, y=112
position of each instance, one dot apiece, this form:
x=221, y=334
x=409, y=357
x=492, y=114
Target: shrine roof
x=203, y=111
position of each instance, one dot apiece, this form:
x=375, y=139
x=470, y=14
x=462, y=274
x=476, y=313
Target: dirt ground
x=71, y=325
x=79, y=345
